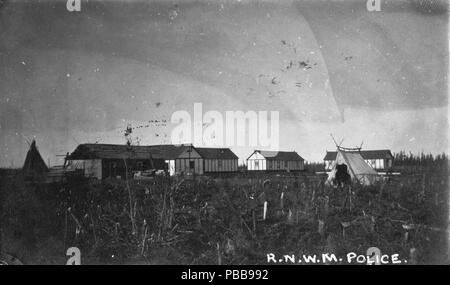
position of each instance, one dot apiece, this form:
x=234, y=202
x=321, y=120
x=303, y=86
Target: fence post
x=265, y=210
x=413, y=256
x=321, y=227
x=254, y=221
x=219, y=256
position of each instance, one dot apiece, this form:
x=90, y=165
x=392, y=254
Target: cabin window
x=330, y=164
x=191, y=165
x=219, y=163
x=389, y=163
x=256, y=164
x=285, y=164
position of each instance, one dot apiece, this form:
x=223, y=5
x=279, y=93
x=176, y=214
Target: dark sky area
x=326, y=66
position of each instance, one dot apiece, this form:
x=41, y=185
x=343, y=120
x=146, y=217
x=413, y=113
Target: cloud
x=124, y=57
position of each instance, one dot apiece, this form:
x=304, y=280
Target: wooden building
x=108, y=160
x=218, y=160
x=261, y=160
x=206, y=160
x=170, y=153
x=116, y=161
x=380, y=160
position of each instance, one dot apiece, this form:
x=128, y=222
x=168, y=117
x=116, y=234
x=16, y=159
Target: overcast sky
x=326, y=66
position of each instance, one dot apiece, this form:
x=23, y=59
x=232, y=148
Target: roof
x=216, y=153
x=114, y=151
x=166, y=152
x=366, y=154
x=279, y=155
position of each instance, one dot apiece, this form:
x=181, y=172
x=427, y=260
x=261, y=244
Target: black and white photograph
x=224, y=133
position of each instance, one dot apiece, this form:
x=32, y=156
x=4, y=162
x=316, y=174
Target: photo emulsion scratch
x=224, y=133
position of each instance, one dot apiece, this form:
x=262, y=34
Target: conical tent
x=34, y=166
x=358, y=169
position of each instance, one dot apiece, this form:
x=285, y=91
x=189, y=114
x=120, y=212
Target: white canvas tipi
x=357, y=168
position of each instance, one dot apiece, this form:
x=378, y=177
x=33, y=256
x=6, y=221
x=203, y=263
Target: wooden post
x=144, y=239
x=345, y=225
x=290, y=217
x=219, y=256
x=265, y=210
x=372, y=224
x=254, y=221
x=313, y=195
x=413, y=256
x=327, y=205
x=350, y=196
x=321, y=227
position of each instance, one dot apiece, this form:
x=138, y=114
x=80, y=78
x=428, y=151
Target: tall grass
x=210, y=221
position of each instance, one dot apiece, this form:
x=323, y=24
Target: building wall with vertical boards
x=220, y=165
x=188, y=158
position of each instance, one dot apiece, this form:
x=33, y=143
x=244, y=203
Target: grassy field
x=220, y=220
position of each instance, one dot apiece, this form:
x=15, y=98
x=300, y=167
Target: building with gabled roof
x=206, y=160
x=263, y=160
x=109, y=160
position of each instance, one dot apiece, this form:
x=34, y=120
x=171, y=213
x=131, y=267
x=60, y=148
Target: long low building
x=108, y=160
x=380, y=160
x=262, y=160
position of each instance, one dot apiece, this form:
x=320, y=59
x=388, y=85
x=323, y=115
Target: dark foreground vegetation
x=220, y=221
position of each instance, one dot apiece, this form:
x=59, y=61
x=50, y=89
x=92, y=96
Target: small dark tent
x=34, y=167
